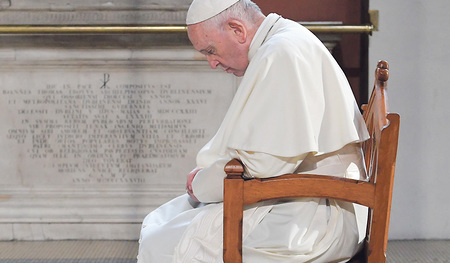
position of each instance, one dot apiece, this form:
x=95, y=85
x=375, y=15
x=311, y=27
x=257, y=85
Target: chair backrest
x=375, y=116
x=380, y=153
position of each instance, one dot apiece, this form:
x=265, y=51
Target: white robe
x=293, y=112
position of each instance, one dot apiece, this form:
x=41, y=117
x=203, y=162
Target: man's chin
x=238, y=73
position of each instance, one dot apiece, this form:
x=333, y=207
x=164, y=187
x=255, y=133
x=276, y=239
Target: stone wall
x=97, y=130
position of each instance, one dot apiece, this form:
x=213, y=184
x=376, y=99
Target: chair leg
x=232, y=220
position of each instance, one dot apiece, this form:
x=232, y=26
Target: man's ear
x=238, y=30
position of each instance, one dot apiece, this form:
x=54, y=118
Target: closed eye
x=208, y=51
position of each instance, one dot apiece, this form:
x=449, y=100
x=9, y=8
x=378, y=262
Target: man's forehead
x=198, y=37
x=194, y=32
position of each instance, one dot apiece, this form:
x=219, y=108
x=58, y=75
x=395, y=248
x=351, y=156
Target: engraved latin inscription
x=104, y=127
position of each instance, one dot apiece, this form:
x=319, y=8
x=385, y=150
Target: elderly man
x=293, y=112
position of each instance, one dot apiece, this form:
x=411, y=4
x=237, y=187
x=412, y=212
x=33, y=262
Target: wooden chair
x=380, y=155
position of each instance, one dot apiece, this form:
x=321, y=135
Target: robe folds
x=294, y=112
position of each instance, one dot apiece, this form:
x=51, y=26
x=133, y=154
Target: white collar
x=262, y=33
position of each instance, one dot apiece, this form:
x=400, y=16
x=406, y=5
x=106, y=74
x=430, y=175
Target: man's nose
x=213, y=63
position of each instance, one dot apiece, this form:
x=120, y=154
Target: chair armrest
x=234, y=168
x=300, y=185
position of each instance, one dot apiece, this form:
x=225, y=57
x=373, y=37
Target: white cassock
x=294, y=112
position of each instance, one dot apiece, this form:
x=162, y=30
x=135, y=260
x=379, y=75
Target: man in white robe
x=294, y=112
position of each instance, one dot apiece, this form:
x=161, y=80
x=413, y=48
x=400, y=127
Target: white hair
x=244, y=10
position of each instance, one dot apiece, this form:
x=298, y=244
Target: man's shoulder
x=292, y=38
x=287, y=45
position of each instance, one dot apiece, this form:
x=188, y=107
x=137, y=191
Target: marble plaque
x=103, y=126
x=79, y=133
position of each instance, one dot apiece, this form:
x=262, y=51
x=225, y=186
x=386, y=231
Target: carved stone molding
x=4, y=4
x=29, y=12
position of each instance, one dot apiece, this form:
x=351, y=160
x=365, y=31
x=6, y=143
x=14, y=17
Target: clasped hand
x=190, y=178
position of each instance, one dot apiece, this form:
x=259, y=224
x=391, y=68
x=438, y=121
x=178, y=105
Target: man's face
x=221, y=48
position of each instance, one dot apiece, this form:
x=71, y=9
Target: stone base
x=78, y=231
x=53, y=214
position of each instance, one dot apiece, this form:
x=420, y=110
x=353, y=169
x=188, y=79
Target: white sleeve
x=207, y=185
x=263, y=165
